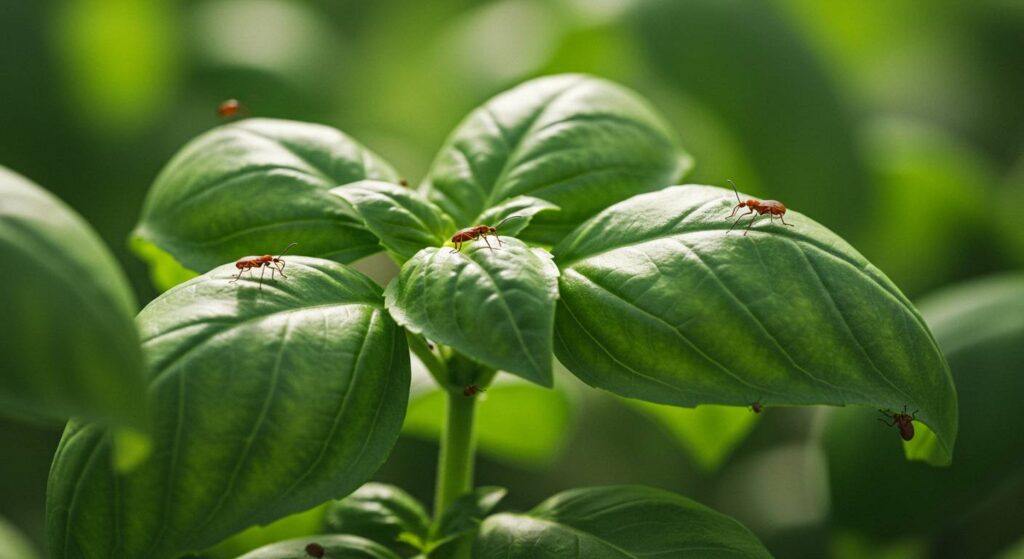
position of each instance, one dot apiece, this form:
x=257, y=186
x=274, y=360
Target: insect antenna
x=286, y=249
x=734, y=190
x=502, y=222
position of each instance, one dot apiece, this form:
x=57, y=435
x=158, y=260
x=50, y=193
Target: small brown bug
x=248, y=263
x=903, y=421
x=472, y=390
x=758, y=207
x=403, y=182
x=230, y=108
x=479, y=232
x=756, y=407
x=315, y=550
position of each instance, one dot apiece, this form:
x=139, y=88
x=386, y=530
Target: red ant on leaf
x=902, y=420
x=247, y=263
x=479, y=232
x=758, y=207
x=472, y=390
x=230, y=108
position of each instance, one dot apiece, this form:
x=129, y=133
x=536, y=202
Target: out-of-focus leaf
x=745, y=62
x=659, y=302
x=254, y=187
x=342, y=547
x=13, y=544
x=402, y=220
x=466, y=513
x=306, y=523
x=69, y=344
x=708, y=433
x=267, y=401
x=615, y=522
x=494, y=306
x=164, y=271
x=509, y=408
x=576, y=141
x=980, y=327
x=381, y=513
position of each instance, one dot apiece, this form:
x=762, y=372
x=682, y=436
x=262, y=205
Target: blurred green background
x=898, y=124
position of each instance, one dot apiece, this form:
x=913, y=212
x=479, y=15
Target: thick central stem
x=458, y=447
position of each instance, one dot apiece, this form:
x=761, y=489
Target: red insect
x=758, y=207
x=479, y=232
x=230, y=108
x=248, y=263
x=756, y=407
x=315, y=550
x=472, y=390
x=902, y=420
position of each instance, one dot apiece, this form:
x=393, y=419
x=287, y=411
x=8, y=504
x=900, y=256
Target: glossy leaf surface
x=267, y=401
x=381, y=513
x=616, y=522
x=402, y=220
x=576, y=141
x=69, y=344
x=347, y=547
x=660, y=303
x=255, y=186
x=495, y=306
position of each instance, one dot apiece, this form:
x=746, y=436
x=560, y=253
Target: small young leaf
x=69, y=344
x=659, y=302
x=334, y=546
x=525, y=207
x=617, y=522
x=466, y=513
x=267, y=402
x=579, y=142
x=381, y=513
x=255, y=186
x=402, y=220
x=494, y=306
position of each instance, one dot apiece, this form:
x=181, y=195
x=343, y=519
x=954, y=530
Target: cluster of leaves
x=268, y=398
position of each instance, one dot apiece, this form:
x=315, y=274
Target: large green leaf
x=659, y=302
x=255, y=186
x=579, y=142
x=616, y=522
x=268, y=401
x=69, y=344
x=402, y=220
x=975, y=503
x=494, y=306
x=346, y=547
x=381, y=513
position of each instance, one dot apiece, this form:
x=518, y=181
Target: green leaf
x=494, y=306
x=381, y=513
x=509, y=408
x=13, y=544
x=255, y=186
x=659, y=302
x=467, y=512
x=164, y=271
x=347, y=547
x=402, y=220
x=980, y=327
x=525, y=207
x=305, y=523
x=268, y=401
x=708, y=433
x=579, y=142
x=70, y=347
x=616, y=522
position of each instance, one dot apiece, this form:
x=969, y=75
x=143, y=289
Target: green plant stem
x=458, y=449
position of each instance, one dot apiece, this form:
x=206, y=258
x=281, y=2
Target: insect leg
x=263, y=271
x=752, y=220
x=280, y=268
x=484, y=237
x=784, y=222
x=739, y=218
x=886, y=422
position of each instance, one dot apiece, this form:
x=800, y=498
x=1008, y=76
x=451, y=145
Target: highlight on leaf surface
x=253, y=187
x=658, y=302
x=266, y=402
